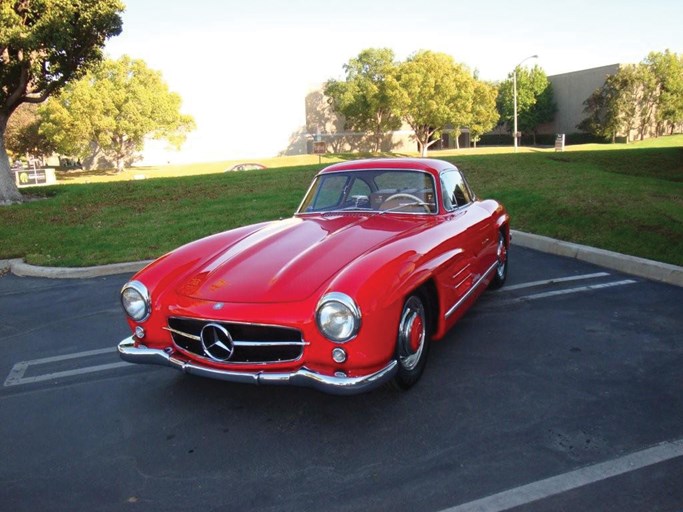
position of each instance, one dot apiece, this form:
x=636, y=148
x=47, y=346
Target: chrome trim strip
x=455, y=276
x=363, y=212
x=181, y=333
x=224, y=321
x=464, y=279
x=239, y=343
x=194, y=355
x=270, y=343
x=461, y=282
x=471, y=290
x=302, y=377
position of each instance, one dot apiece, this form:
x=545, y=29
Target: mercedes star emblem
x=217, y=342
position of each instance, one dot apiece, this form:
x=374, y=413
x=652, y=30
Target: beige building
x=570, y=90
x=323, y=124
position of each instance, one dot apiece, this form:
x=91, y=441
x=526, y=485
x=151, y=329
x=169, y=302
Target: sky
x=243, y=69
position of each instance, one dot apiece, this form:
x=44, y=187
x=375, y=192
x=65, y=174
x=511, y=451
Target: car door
x=471, y=234
x=482, y=228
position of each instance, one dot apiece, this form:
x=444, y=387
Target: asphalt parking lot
x=562, y=391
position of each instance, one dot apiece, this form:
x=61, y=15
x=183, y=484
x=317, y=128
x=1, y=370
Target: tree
x=535, y=105
x=112, y=110
x=615, y=108
x=43, y=45
x=365, y=98
x=637, y=98
x=484, y=113
x=22, y=136
x=434, y=91
x=647, y=98
x=667, y=68
x=603, y=114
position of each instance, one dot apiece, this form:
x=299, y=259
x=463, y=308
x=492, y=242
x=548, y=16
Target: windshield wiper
x=415, y=203
x=345, y=210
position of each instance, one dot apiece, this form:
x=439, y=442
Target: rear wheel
x=412, y=344
x=502, y=265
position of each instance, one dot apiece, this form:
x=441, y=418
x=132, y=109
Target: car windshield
x=382, y=191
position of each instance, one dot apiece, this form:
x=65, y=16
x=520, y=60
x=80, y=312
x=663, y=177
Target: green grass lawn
x=625, y=198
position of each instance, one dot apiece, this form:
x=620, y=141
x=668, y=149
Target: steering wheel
x=386, y=204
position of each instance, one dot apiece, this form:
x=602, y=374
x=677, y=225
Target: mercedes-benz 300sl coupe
x=381, y=257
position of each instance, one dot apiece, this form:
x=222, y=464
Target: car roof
x=409, y=164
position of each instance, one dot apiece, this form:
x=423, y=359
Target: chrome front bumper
x=302, y=377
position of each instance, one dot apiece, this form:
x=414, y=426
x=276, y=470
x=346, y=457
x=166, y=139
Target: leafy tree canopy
x=112, y=110
x=484, y=113
x=667, y=68
x=429, y=91
x=434, y=92
x=366, y=97
x=22, y=136
x=43, y=45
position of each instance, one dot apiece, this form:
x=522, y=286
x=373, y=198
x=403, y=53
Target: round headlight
x=135, y=301
x=338, y=317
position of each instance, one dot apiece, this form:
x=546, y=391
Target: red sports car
x=381, y=257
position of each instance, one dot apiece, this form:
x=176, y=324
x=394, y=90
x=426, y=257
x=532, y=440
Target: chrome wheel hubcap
x=502, y=257
x=411, y=333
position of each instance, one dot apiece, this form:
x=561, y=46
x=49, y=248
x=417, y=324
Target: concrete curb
x=633, y=265
x=19, y=268
x=6, y=265
x=640, y=267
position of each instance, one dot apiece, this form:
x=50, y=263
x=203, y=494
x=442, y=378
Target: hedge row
x=541, y=140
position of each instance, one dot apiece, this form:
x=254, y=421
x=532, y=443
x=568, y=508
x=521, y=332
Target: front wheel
x=412, y=344
x=502, y=265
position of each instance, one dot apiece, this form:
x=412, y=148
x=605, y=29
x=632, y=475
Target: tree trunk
x=423, y=151
x=9, y=193
x=422, y=139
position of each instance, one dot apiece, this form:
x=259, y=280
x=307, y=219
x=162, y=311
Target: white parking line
x=16, y=375
x=574, y=290
x=574, y=479
x=552, y=281
x=66, y=357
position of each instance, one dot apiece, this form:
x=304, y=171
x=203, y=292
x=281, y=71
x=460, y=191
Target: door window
x=455, y=191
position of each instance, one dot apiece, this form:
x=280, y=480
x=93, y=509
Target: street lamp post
x=514, y=95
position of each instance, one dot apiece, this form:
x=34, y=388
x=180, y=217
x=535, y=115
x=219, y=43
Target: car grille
x=253, y=344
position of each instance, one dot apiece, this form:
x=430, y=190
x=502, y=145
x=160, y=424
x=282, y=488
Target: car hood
x=288, y=260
